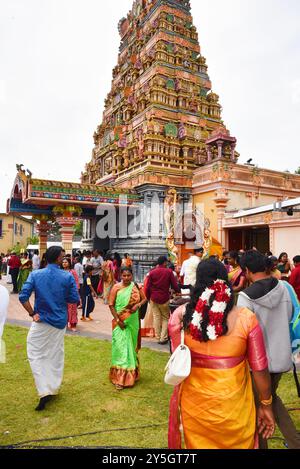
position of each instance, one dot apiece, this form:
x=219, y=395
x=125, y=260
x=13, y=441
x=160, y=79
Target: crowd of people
x=238, y=315
x=94, y=275
x=18, y=267
x=235, y=313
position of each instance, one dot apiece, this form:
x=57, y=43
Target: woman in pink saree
x=72, y=309
x=215, y=405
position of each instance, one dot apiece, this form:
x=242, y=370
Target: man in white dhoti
x=54, y=289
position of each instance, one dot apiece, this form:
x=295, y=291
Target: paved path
x=100, y=328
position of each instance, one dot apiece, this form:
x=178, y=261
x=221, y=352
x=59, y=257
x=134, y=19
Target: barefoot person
x=54, y=289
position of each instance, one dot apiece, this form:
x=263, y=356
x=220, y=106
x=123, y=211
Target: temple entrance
x=248, y=238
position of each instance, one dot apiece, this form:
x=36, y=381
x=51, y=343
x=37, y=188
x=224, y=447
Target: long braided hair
x=207, y=273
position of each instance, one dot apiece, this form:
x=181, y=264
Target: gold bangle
x=267, y=401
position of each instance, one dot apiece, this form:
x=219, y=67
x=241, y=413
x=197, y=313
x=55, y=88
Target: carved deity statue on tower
x=170, y=213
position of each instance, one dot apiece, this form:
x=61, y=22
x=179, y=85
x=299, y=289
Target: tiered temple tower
x=161, y=111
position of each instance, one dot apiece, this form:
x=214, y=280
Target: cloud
x=2, y=91
x=296, y=91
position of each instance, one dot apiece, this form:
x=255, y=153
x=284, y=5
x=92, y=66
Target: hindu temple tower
x=159, y=113
x=160, y=110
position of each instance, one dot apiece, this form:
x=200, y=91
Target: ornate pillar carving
x=220, y=149
x=233, y=147
x=185, y=155
x=147, y=200
x=221, y=200
x=43, y=229
x=67, y=216
x=209, y=154
x=162, y=197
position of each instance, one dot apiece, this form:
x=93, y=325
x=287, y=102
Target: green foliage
x=298, y=171
x=18, y=248
x=88, y=402
x=79, y=228
x=34, y=240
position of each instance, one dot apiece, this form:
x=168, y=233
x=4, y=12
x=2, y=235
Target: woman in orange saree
x=107, y=278
x=215, y=405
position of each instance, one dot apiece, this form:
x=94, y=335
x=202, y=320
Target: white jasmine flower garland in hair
x=216, y=313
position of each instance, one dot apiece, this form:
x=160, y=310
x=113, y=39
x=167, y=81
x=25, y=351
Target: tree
x=79, y=228
x=34, y=240
x=298, y=171
x=18, y=248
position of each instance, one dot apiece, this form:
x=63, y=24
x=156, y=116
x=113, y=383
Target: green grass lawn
x=88, y=402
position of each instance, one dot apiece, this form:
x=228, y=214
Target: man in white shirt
x=78, y=267
x=96, y=262
x=36, y=261
x=185, y=293
x=184, y=265
x=87, y=255
x=190, y=268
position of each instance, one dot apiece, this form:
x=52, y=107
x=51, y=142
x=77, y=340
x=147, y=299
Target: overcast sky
x=56, y=61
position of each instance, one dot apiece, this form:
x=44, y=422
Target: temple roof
x=39, y=196
x=78, y=188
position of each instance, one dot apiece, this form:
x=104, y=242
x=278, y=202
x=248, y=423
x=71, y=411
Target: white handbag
x=179, y=365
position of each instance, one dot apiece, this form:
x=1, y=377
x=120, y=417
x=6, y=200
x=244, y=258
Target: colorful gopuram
x=160, y=110
x=161, y=143
x=159, y=114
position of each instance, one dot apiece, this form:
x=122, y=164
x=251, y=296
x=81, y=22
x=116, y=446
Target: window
x=1, y=228
x=16, y=228
x=21, y=230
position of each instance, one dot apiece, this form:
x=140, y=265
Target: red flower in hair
x=200, y=306
x=195, y=333
x=222, y=296
x=216, y=313
x=215, y=318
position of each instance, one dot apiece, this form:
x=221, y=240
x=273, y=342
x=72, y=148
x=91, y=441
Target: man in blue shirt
x=54, y=289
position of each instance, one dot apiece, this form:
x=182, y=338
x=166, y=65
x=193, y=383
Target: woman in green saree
x=26, y=268
x=125, y=301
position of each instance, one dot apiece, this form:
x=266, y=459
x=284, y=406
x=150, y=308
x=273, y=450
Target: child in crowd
x=88, y=295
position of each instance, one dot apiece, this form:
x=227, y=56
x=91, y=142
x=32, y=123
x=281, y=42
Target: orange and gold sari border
x=148, y=332
x=215, y=363
x=122, y=317
x=234, y=274
x=122, y=377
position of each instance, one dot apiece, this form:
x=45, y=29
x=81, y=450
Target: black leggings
x=14, y=277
